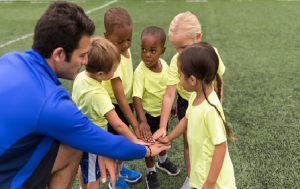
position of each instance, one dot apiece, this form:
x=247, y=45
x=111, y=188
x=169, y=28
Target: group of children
x=108, y=91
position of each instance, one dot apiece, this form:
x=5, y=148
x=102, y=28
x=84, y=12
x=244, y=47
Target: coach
x=42, y=133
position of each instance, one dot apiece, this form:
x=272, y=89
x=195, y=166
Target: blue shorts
x=90, y=167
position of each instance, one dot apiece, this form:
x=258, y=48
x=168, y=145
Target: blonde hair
x=102, y=56
x=187, y=23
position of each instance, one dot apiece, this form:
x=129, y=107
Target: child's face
x=109, y=75
x=180, y=41
x=183, y=80
x=151, y=49
x=121, y=38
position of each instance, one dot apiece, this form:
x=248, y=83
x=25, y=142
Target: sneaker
x=186, y=184
x=169, y=167
x=151, y=180
x=130, y=175
x=120, y=184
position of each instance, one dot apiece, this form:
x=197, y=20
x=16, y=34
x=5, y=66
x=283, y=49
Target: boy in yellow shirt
x=92, y=99
x=118, y=30
x=149, y=86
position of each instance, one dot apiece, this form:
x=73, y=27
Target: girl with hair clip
x=207, y=131
x=184, y=30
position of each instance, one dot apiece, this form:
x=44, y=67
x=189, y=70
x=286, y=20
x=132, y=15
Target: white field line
x=155, y=1
x=28, y=35
x=196, y=1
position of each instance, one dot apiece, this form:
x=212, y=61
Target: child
x=149, y=86
x=184, y=30
x=118, y=26
x=211, y=166
x=93, y=100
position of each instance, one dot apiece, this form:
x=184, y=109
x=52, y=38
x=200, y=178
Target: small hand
x=159, y=133
x=164, y=140
x=107, y=165
x=140, y=141
x=207, y=185
x=145, y=132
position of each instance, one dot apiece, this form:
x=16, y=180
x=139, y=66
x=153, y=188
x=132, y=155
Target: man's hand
x=107, y=165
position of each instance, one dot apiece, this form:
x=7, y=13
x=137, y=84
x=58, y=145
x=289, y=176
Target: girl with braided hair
x=185, y=30
x=207, y=131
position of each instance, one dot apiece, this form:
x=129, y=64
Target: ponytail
x=229, y=133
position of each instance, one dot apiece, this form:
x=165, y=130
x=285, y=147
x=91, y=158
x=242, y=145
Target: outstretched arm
x=145, y=131
x=179, y=129
x=167, y=104
x=118, y=89
x=121, y=128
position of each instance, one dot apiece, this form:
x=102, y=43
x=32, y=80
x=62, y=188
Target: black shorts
x=121, y=116
x=153, y=122
x=40, y=177
x=182, y=106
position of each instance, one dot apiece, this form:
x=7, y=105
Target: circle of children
x=108, y=91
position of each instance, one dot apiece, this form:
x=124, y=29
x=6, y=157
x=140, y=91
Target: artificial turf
x=258, y=42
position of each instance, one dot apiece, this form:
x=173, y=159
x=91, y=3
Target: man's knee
x=67, y=156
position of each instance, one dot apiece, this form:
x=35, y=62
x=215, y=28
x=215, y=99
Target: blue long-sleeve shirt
x=34, y=111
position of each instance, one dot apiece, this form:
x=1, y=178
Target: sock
x=120, y=167
x=118, y=175
x=187, y=179
x=151, y=169
x=162, y=159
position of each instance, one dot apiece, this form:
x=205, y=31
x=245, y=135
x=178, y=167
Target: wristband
x=150, y=154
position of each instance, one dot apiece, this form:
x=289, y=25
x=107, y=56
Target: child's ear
x=59, y=54
x=106, y=35
x=198, y=37
x=163, y=50
x=193, y=80
x=99, y=75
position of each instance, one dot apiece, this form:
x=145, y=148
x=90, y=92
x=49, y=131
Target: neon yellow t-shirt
x=150, y=87
x=205, y=130
x=174, y=77
x=125, y=73
x=92, y=99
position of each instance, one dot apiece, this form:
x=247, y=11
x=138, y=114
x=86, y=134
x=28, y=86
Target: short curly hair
x=116, y=17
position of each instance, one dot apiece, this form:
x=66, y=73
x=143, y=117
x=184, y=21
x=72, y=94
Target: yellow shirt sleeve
x=174, y=77
x=118, y=73
x=138, y=84
x=221, y=68
x=215, y=126
x=102, y=104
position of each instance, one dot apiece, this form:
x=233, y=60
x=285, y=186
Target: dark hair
x=116, y=16
x=102, y=56
x=156, y=32
x=62, y=25
x=201, y=61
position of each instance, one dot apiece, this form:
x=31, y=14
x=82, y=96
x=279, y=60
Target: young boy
x=118, y=30
x=149, y=86
x=92, y=99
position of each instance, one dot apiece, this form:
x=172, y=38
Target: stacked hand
x=145, y=132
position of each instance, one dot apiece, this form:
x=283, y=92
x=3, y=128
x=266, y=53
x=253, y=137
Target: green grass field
x=259, y=44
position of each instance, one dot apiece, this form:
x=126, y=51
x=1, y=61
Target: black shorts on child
x=121, y=116
x=153, y=122
x=182, y=106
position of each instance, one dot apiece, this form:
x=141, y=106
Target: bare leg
x=186, y=154
x=80, y=177
x=65, y=167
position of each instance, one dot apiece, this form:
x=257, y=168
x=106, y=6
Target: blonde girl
x=184, y=30
x=204, y=122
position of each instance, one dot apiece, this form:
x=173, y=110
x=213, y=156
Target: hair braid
x=228, y=130
x=219, y=85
